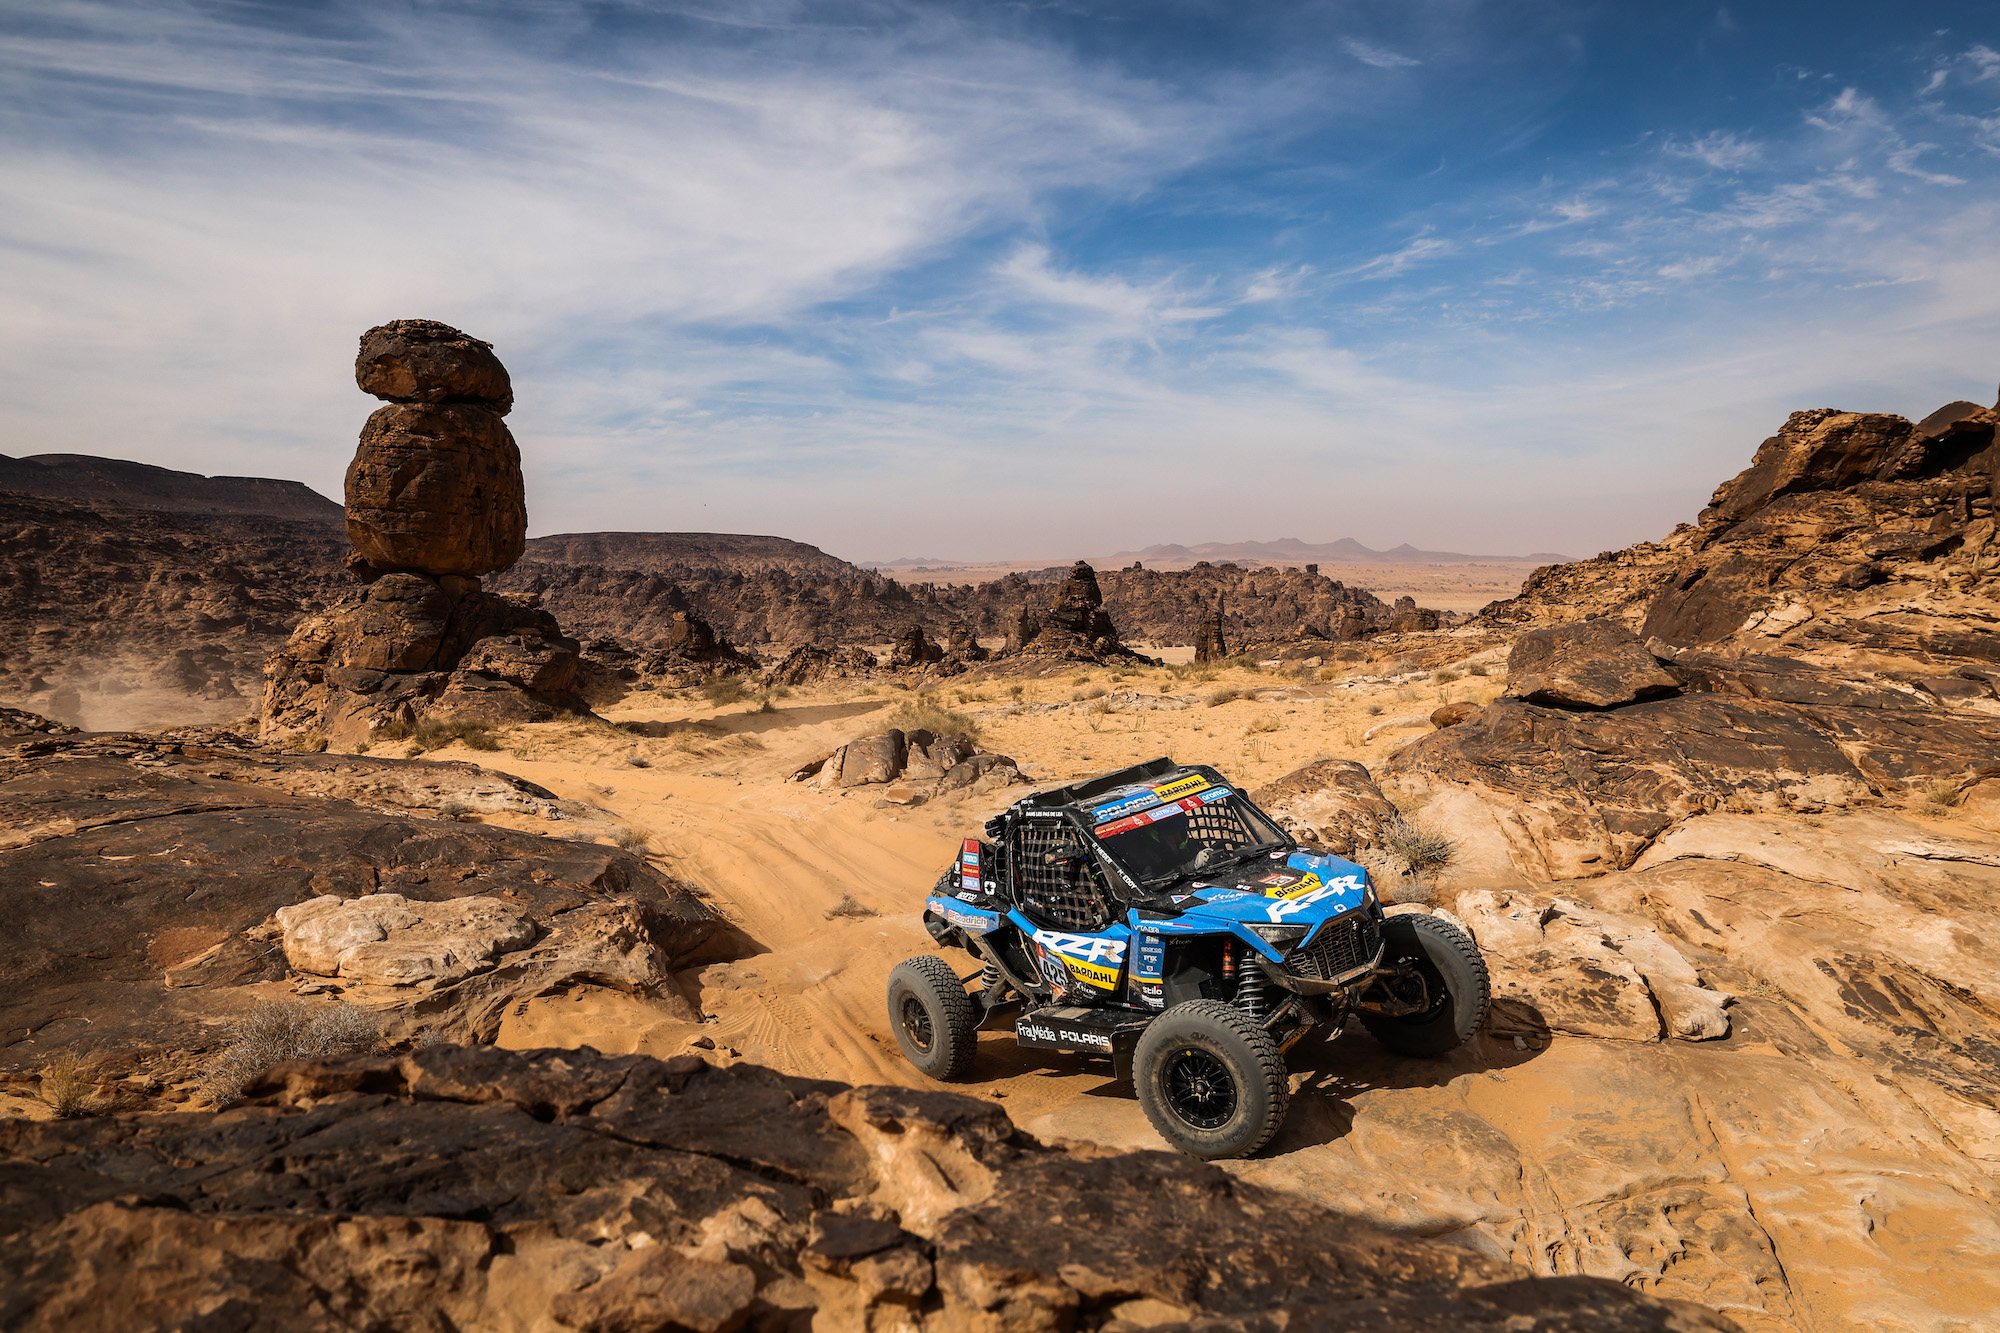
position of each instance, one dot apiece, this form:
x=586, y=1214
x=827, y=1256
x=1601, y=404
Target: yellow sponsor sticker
x=1306, y=885
x=1098, y=975
x=1180, y=787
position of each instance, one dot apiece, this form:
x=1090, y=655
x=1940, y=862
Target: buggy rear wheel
x=1212, y=1082
x=932, y=1017
x=1454, y=978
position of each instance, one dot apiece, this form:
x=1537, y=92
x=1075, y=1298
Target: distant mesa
x=1291, y=549
x=117, y=481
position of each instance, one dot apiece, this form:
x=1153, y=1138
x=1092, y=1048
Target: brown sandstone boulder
x=423, y=361
x=1598, y=664
x=913, y=649
x=436, y=488
x=1330, y=803
x=1450, y=715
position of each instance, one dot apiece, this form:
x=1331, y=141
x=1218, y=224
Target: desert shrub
x=635, y=840
x=1445, y=676
x=721, y=690
x=1016, y=690
x=1374, y=710
x=1478, y=669
x=436, y=733
x=1423, y=849
x=454, y=809
x=637, y=760
x=1227, y=694
x=1096, y=692
x=766, y=705
x=1263, y=723
x=67, y=1088
x=925, y=713
x=305, y=742
x=848, y=907
x=1941, y=793
x=1080, y=680
x=275, y=1031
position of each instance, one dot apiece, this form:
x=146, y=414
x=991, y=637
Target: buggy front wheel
x=932, y=1017
x=1455, y=983
x=1211, y=1080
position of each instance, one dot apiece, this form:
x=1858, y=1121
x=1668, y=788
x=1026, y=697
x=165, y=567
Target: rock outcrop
x=809, y=664
x=1211, y=640
x=529, y=1190
x=158, y=885
x=1596, y=664
x=434, y=499
x=1849, y=532
x=924, y=763
x=1074, y=628
x=1332, y=804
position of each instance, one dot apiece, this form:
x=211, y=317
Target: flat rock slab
x=1597, y=664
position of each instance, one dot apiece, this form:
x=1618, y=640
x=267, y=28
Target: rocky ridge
x=564, y=1189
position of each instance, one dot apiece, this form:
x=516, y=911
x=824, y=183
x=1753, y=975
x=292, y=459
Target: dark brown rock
x=1597, y=664
x=1450, y=715
x=808, y=664
x=436, y=488
x=487, y=1188
x=128, y=859
x=423, y=361
x=1211, y=644
x=913, y=649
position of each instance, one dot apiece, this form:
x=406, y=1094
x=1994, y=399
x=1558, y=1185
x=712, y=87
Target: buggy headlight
x=1279, y=937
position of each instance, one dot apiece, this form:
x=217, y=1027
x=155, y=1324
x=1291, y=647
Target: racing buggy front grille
x=1341, y=946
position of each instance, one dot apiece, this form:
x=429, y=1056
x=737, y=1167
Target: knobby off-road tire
x=1211, y=1081
x=932, y=1016
x=1454, y=974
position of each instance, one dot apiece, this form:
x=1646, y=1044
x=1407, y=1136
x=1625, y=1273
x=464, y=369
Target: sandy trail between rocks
x=1760, y=1175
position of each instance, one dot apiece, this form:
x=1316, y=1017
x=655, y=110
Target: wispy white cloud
x=1721, y=149
x=1380, y=57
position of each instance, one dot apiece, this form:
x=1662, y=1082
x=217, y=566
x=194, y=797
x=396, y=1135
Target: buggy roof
x=1123, y=791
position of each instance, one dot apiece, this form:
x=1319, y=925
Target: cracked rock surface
x=546, y=1190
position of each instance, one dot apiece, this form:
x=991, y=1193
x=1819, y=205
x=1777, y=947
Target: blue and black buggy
x=1156, y=917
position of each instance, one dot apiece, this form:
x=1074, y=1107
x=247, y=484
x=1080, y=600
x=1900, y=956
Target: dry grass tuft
x=1445, y=676
x=721, y=690
x=1227, y=694
x=275, y=1031
x=1477, y=669
x=68, y=1090
x=848, y=907
x=635, y=840
x=925, y=713
x=1264, y=723
x=1941, y=794
x=435, y=734
x=1425, y=850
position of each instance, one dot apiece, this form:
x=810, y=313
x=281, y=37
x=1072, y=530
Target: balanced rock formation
x=435, y=487
x=434, y=499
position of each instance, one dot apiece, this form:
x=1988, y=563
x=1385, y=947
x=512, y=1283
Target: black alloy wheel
x=1210, y=1079
x=1199, y=1089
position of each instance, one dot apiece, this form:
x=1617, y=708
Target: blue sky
x=1011, y=280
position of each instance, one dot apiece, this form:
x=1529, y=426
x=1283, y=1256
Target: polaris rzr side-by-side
x=1156, y=917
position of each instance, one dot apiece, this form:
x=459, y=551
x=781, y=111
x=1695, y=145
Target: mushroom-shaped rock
x=1595, y=664
x=423, y=361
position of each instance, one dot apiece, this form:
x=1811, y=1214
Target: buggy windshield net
x=1186, y=837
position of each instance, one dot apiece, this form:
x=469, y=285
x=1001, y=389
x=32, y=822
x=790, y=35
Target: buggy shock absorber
x=989, y=977
x=1229, y=967
x=1250, y=990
